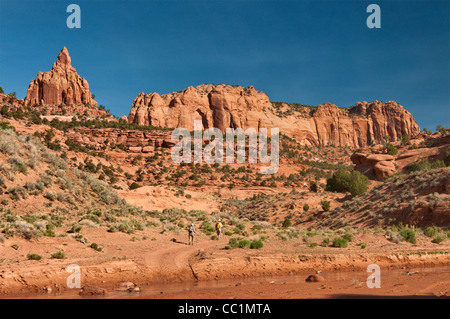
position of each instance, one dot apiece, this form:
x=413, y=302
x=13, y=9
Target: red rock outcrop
x=136, y=141
x=225, y=106
x=373, y=164
x=60, y=85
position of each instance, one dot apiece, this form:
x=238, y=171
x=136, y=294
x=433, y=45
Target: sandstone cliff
x=60, y=85
x=224, y=106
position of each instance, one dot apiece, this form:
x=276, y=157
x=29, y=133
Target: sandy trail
x=172, y=262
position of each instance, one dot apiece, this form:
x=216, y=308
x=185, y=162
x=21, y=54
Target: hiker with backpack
x=219, y=227
x=191, y=231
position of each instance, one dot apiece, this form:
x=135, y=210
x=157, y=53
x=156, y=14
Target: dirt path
x=172, y=262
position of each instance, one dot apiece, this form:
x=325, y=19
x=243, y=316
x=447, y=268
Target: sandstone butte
x=224, y=106
x=60, y=85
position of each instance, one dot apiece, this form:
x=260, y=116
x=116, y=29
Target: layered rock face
x=225, y=106
x=219, y=106
x=60, y=85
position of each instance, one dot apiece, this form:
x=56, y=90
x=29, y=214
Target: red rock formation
x=224, y=106
x=370, y=162
x=60, y=85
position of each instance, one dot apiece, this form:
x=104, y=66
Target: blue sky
x=309, y=52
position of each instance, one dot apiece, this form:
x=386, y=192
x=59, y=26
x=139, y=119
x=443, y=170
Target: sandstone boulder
x=384, y=169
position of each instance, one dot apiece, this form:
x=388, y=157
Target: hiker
x=219, y=227
x=191, y=231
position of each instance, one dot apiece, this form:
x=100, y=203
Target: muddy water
x=396, y=282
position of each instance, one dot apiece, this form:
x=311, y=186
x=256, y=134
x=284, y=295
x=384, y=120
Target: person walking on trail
x=219, y=227
x=191, y=231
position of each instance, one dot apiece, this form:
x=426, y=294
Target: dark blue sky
x=309, y=52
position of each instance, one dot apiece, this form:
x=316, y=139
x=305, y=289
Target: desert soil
x=164, y=266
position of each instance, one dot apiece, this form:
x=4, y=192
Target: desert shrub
x=405, y=139
x=437, y=240
x=408, y=235
x=313, y=187
x=391, y=149
x=16, y=192
x=134, y=185
x=325, y=242
x=286, y=223
x=241, y=243
x=256, y=244
x=363, y=245
x=348, y=237
x=59, y=255
x=45, y=180
x=351, y=181
x=49, y=230
x=340, y=243
x=51, y=196
x=33, y=257
x=8, y=144
x=431, y=231
x=424, y=164
x=447, y=157
x=441, y=129
x=305, y=207
x=75, y=229
x=244, y=243
x=25, y=229
x=18, y=164
x=325, y=205
x=207, y=228
x=96, y=247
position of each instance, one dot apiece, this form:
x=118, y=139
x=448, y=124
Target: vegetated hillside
x=39, y=191
x=420, y=198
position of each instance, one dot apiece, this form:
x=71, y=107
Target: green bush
x=134, y=185
x=305, y=207
x=340, y=243
x=348, y=181
x=287, y=223
x=256, y=244
x=75, y=229
x=49, y=230
x=59, y=255
x=408, y=235
x=348, y=237
x=325, y=242
x=405, y=139
x=437, y=240
x=431, y=231
x=33, y=257
x=233, y=242
x=391, y=149
x=244, y=243
x=96, y=247
x=447, y=157
x=424, y=164
x=325, y=205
